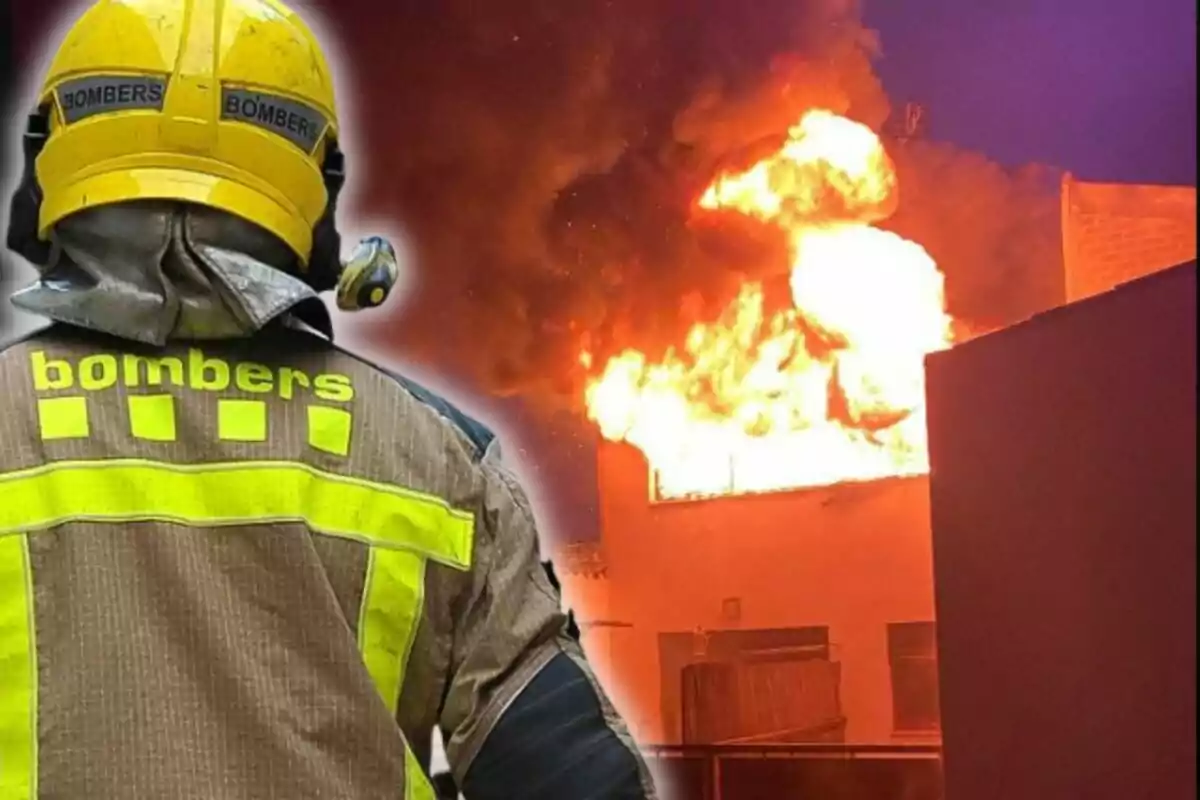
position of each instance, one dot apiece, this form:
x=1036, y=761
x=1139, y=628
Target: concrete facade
x=852, y=558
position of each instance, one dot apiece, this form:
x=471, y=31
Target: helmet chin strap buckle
x=367, y=277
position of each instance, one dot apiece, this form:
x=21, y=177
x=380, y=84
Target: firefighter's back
x=216, y=560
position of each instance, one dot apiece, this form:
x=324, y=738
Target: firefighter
x=235, y=560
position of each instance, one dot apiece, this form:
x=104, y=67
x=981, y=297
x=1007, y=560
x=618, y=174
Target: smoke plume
x=995, y=233
x=547, y=157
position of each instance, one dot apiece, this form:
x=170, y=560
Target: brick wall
x=1113, y=233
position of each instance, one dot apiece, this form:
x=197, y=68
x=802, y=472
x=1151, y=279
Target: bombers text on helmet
x=224, y=103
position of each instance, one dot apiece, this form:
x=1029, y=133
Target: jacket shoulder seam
x=479, y=435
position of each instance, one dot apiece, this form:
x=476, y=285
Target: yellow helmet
x=225, y=103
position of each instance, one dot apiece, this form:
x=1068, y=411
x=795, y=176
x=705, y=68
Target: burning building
x=765, y=569
x=748, y=401
x=758, y=409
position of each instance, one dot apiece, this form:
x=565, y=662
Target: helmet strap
x=25, y=206
x=325, y=258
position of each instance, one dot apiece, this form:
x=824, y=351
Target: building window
x=768, y=466
x=711, y=478
x=912, y=654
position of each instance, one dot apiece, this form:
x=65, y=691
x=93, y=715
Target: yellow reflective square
x=63, y=417
x=152, y=417
x=242, y=420
x=329, y=429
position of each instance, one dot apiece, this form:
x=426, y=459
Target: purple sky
x=1104, y=89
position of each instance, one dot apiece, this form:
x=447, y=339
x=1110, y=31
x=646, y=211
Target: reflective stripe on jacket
x=252, y=569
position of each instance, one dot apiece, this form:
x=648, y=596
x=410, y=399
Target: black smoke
x=546, y=157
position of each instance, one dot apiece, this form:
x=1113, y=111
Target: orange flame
x=831, y=390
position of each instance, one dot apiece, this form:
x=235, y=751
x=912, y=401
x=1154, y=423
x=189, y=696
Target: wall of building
x=852, y=557
x=586, y=594
x=1113, y=233
x=1064, y=530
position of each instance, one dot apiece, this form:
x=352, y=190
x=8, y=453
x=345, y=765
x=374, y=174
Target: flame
x=830, y=390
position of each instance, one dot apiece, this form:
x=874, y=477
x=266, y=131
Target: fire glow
x=828, y=391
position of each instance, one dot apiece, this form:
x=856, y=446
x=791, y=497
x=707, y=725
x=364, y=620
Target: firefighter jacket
x=264, y=568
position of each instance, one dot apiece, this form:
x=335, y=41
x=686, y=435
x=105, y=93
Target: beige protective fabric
x=186, y=661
